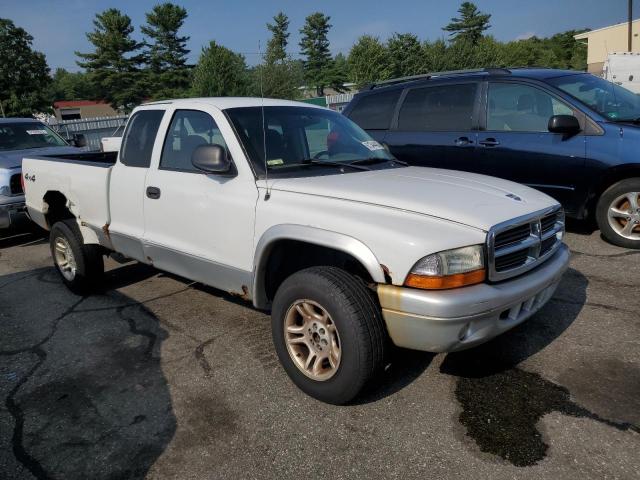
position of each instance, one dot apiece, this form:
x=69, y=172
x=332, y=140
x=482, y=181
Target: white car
x=297, y=210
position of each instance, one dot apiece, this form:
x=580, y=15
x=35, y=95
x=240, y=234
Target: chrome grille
x=519, y=245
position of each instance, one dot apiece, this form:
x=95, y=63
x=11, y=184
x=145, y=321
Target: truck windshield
x=612, y=101
x=25, y=135
x=304, y=138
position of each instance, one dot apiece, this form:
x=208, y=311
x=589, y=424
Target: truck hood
x=475, y=200
x=10, y=159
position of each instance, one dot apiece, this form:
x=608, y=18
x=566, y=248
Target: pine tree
x=315, y=48
x=278, y=76
x=405, y=55
x=219, y=73
x=114, y=65
x=277, y=46
x=24, y=74
x=470, y=26
x=166, y=51
x=368, y=61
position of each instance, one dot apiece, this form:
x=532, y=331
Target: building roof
x=77, y=103
x=585, y=35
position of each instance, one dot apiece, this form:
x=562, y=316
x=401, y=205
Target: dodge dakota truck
x=296, y=209
x=20, y=137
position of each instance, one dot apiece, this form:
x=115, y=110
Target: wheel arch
x=609, y=178
x=280, y=237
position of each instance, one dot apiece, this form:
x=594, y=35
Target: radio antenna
x=267, y=194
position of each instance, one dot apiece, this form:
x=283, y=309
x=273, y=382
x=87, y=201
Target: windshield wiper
x=372, y=160
x=315, y=161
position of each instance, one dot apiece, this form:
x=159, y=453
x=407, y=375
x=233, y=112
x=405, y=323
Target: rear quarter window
x=138, y=140
x=375, y=111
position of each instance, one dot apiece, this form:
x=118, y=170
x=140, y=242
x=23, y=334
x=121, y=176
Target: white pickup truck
x=297, y=210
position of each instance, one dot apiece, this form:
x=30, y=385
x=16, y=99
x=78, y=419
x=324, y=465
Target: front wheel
x=80, y=265
x=618, y=213
x=328, y=333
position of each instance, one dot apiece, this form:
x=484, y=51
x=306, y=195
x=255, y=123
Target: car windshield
x=612, y=101
x=296, y=139
x=25, y=135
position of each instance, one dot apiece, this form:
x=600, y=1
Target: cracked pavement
x=162, y=378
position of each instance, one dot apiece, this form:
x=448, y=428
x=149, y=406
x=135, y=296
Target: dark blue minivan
x=570, y=134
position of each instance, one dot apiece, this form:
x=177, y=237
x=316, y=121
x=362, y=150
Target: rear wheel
x=80, y=265
x=618, y=213
x=328, y=333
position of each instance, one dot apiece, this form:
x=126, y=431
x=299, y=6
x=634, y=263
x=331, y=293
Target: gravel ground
x=162, y=378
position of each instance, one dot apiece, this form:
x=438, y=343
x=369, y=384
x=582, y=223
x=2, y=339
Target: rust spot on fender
x=105, y=229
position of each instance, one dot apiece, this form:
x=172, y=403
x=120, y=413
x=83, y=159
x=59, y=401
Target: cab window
x=189, y=129
x=515, y=107
x=138, y=140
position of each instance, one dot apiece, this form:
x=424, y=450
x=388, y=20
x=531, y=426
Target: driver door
x=199, y=225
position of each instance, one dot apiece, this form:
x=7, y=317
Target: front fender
x=316, y=236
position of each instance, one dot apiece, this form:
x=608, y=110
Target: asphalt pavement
x=162, y=378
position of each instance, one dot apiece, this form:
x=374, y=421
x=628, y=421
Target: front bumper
x=451, y=320
x=10, y=212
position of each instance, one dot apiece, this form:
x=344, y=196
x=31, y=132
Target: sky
x=59, y=26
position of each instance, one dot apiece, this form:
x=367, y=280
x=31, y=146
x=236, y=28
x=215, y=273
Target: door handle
x=489, y=142
x=153, y=193
x=463, y=142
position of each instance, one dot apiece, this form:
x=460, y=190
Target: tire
x=614, y=226
x=353, y=322
x=83, y=274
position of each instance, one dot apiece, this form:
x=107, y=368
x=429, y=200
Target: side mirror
x=211, y=159
x=79, y=140
x=565, y=124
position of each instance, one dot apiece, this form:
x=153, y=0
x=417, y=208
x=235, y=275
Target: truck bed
x=82, y=179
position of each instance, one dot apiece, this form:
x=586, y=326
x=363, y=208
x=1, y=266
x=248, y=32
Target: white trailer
x=623, y=69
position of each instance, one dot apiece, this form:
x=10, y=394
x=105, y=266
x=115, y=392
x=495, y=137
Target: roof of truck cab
x=233, y=102
x=18, y=120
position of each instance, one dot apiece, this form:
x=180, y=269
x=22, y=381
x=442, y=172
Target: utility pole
x=630, y=29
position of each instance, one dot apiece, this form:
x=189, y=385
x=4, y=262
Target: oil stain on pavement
x=501, y=407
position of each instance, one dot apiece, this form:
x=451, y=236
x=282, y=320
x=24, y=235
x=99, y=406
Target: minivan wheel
x=328, y=333
x=80, y=265
x=618, y=213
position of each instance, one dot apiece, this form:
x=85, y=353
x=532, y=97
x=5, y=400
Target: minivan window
x=374, y=112
x=188, y=130
x=137, y=143
x=439, y=108
x=514, y=107
x=611, y=100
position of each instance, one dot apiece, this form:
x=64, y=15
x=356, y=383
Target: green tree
x=471, y=24
x=277, y=46
x=71, y=86
x=368, y=61
x=114, y=64
x=315, y=49
x=24, y=74
x=405, y=55
x=166, y=52
x=219, y=73
x=278, y=76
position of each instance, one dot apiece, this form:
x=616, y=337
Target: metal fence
x=92, y=128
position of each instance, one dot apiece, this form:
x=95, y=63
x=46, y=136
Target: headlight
x=448, y=269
